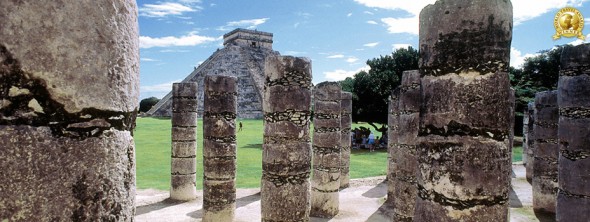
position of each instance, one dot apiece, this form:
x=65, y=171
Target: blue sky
x=338, y=35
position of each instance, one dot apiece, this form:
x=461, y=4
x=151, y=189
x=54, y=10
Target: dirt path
x=361, y=202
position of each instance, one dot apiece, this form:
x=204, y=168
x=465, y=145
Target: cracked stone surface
x=325, y=181
x=184, y=141
x=219, y=154
x=573, y=197
x=67, y=147
x=465, y=126
x=405, y=154
x=546, y=152
x=286, y=155
x=345, y=139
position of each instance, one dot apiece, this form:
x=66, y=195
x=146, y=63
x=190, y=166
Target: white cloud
x=341, y=74
x=368, y=13
x=191, y=39
x=294, y=53
x=372, y=22
x=516, y=57
x=190, y=1
x=528, y=9
x=349, y=14
x=337, y=56
x=413, y=7
x=148, y=60
x=399, y=46
x=579, y=41
x=352, y=59
x=371, y=45
x=163, y=87
x=165, y=9
x=523, y=10
x=402, y=25
x=246, y=23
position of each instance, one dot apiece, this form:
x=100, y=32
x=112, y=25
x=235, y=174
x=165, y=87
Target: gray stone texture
x=219, y=148
x=392, y=144
x=184, y=142
x=530, y=142
x=345, y=140
x=464, y=158
x=286, y=155
x=238, y=58
x=573, y=198
x=325, y=181
x=69, y=86
x=404, y=155
x=546, y=152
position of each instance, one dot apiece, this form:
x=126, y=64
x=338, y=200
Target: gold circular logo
x=569, y=22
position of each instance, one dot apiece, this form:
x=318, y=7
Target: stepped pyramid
x=243, y=54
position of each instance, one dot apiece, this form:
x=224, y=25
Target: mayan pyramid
x=243, y=54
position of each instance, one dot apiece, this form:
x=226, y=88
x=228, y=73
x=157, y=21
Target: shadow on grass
x=253, y=146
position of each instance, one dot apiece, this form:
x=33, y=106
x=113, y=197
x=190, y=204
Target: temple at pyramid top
x=243, y=55
x=246, y=37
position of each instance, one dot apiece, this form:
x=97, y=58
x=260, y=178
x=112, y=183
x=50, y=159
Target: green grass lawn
x=517, y=154
x=152, y=139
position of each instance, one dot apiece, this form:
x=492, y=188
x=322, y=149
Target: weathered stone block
x=184, y=166
x=286, y=158
x=184, y=134
x=345, y=138
x=69, y=95
x=546, y=152
x=219, y=150
x=573, y=199
x=465, y=124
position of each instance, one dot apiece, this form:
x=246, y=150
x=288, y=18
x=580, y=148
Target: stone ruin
x=345, y=139
x=449, y=139
x=67, y=151
x=286, y=158
x=404, y=154
x=243, y=56
x=464, y=159
x=573, y=99
x=558, y=141
x=219, y=149
x=325, y=183
x=546, y=152
x=183, y=169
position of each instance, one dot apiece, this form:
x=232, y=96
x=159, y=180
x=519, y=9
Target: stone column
x=325, y=183
x=573, y=199
x=392, y=144
x=464, y=158
x=525, y=131
x=219, y=148
x=530, y=142
x=546, y=152
x=69, y=88
x=184, y=141
x=404, y=155
x=286, y=155
x=345, y=140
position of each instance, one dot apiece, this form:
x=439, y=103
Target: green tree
x=371, y=90
x=147, y=103
x=538, y=73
